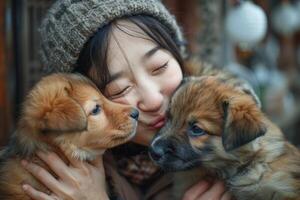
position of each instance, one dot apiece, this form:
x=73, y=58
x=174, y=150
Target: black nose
x=134, y=114
x=160, y=148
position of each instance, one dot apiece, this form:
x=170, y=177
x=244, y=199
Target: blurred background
x=258, y=40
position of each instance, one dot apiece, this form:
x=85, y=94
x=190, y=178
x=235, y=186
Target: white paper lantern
x=246, y=24
x=285, y=19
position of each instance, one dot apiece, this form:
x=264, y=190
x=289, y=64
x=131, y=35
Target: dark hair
x=92, y=61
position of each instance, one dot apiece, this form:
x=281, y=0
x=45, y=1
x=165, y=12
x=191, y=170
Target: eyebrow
x=151, y=52
x=114, y=77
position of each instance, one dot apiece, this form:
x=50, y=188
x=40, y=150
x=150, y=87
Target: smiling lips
x=158, y=123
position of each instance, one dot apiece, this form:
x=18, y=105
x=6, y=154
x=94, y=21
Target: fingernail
x=24, y=163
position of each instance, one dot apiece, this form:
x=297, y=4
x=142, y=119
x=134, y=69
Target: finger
x=34, y=194
x=226, y=196
x=196, y=190
x=98, y=163
x=57, y=165
x=43, y=176
x=214, y=192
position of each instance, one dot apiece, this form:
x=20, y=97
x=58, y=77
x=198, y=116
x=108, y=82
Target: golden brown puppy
x=214, y=125
x=67, y=114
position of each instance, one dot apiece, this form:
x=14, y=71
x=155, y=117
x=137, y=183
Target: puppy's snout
x=160, y=148
x=134, y=114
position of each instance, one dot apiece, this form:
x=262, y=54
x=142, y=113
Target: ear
x=64, y=114
x=247, y=89
x=243, y=122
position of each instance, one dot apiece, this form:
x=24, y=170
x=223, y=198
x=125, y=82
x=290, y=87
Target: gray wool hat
x=70, y=23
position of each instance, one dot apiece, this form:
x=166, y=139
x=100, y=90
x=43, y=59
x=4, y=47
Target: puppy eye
x=196, y=131
x=96, y=110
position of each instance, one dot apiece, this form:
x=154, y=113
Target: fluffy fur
x=218, y=128
x=67, y=114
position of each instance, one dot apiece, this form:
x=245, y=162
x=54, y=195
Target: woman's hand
x=78, y=181
x=204, y=190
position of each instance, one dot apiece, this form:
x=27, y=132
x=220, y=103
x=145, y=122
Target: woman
x=133, y=51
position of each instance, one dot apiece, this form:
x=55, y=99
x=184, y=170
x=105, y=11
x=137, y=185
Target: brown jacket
x=159, y=190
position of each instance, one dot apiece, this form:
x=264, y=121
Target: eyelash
x=157, y=70
x=120, y=94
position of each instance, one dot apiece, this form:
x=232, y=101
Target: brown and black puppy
x=220, y=128
x=67, y=114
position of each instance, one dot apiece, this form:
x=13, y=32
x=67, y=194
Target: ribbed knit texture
x=70, y=23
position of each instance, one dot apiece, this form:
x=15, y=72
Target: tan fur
x=57, y=116
x=194, y=66
x=241, y=145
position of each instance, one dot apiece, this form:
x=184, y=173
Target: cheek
x=125, y=101
x=199, y=142
x=171, y=79
x=97, y=123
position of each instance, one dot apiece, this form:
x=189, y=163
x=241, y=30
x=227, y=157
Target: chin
x=144, y=134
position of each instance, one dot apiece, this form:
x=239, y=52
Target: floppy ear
x=242, y=123
x=64, y=114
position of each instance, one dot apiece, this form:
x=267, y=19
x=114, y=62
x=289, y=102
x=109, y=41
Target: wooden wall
x=5, y=114
x=187, y=15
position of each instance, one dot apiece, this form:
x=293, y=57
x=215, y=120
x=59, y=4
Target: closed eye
x=120, y=93
x=160, y=68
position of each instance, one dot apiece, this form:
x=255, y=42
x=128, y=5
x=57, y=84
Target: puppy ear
x=242, y=123
x=64, y=114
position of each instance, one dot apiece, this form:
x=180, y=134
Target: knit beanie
x=69, y=24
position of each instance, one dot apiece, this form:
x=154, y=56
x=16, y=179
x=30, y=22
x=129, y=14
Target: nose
x=160, y=148
x=134, y=114
x=151, y=99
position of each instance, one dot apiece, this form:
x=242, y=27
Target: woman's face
x=143, y=75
